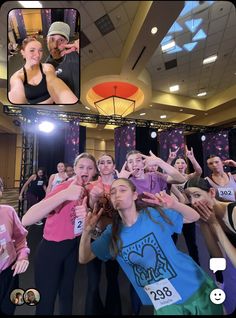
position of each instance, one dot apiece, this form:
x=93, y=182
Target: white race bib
x=40, y=182
x=79, y=225
x=162, y=293
x=227, y=193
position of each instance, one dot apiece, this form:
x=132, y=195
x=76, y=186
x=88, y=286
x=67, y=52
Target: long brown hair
x=116, y=242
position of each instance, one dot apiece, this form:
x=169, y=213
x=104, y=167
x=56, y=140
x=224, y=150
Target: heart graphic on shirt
x=148, y=257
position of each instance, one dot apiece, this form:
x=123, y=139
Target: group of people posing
x=129, y=219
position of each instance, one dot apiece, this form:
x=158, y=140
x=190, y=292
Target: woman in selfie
x=36, y=82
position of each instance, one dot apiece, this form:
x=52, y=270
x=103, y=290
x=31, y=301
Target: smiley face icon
x=217, y=296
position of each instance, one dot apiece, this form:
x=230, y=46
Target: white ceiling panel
x=118, y=16
x=131, y=8
x=85, y=19
x=110, y=5
x=217, y=25
x=95, y=9
x=92, y=32
x=123, y=31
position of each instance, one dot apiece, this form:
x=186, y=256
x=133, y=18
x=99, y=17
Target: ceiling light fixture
x=87, y=107
x=115, y=105
x=174, y=88
x=163, y=116
x=154, y=30
x=30, y=4
x=210, y=59
x=142, y=114
x=202, y=94
x=168, y=46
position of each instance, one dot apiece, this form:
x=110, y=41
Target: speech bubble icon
x=217, y=264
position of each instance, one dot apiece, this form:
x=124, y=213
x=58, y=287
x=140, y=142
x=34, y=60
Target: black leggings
x=7, y=284
x=55, y=268
x=93, y=303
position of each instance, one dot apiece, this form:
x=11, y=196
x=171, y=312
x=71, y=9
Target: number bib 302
x=162, y=293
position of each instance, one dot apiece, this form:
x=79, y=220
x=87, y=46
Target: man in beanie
x=64, y=56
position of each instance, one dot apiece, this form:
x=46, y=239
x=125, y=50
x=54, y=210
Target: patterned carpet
x=10, y=197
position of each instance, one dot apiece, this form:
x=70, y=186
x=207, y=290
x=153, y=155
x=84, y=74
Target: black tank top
x=36, y=93
x=36, y=187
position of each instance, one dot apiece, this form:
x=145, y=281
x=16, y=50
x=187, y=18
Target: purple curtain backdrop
x=46, y=20
x=215, y=143
x=70, y=18
x=171, y=139
x=72, y=141
x=124, y=139
x=20, y=24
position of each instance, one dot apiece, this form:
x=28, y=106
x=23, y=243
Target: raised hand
x=206, y=213
x=96, y=193
x=75, y=191
x=82, y=210
x=92, y=218
x=124, y=173
x=69, y=47
x=20, y=266
x=173, y=154
x=229, y=162
x=189, y=153
x=150, y=160
x=160, y=199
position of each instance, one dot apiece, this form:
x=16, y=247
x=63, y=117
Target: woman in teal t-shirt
x=142, y=244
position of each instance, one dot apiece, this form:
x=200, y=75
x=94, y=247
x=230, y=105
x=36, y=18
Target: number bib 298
x=162, y=293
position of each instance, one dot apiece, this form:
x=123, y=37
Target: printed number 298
x=159, y=294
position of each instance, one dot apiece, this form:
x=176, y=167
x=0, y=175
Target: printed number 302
x=159, y=294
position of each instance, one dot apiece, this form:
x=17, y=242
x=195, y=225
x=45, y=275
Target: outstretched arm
x=166, y=201
x=31, y=178
x=16, y=95
x=44, y=207
x=58, y=90
x=85, y=251
x=197, y=168
x=171, y=174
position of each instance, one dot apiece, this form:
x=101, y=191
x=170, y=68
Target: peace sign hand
x=123, y=172
x=92, y=218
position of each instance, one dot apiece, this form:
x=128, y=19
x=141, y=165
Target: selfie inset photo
x=43, y=56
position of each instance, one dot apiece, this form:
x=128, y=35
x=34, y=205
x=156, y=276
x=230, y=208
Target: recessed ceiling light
x=150, y=105
x=31, y=4
x=163, y=116
x=174, y=88
x=210, y=59
x=142, y=114
x=202, y=94
x=151, y=124
x=181, y=110
x=154, y=30
x=205, y=114
x=168, y=46
x=87, y=107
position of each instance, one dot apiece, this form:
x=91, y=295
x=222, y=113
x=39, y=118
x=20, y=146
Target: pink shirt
x=12, y=237
x=59, y=225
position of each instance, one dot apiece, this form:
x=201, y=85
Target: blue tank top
x=36, y=93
